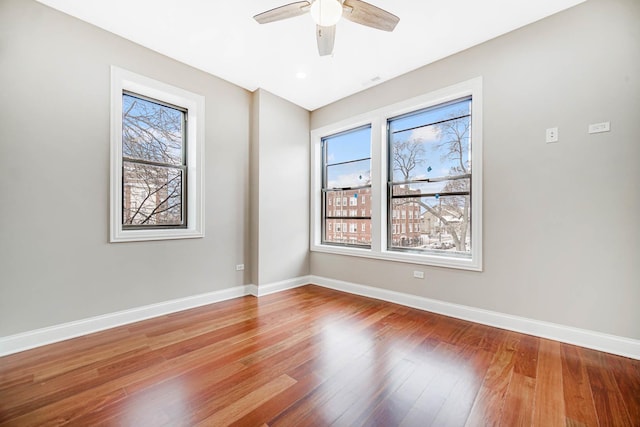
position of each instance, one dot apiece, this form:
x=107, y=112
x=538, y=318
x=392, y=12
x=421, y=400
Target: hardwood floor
x=314, y=357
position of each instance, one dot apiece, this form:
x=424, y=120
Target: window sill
x=411, y=258
x=158, y=234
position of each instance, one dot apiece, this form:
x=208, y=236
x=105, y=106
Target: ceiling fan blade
x=367, y=14
x=325, y=36
x=283, y=12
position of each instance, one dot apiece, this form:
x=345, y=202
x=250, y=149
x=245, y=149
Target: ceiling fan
x=327, y=13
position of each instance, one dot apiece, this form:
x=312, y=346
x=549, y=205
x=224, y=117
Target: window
x=157, y=141
x=153, y=163
x=430, y=168
x=346, y=175
x=422, y=160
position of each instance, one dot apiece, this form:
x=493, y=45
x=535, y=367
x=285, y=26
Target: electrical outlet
x=418, y=274
x=239, y=267
x=552, y=135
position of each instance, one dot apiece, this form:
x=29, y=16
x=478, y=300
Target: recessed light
x=301, y=75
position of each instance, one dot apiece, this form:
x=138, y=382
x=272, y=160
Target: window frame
x=347, y=211
x=124, y=81
x=378, y=119
x=182, y=167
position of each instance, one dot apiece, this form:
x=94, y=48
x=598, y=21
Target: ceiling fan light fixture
x=326, y=12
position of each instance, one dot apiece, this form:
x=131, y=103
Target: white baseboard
x=622, y=346
x=283, y=285
x=39, y=337
x=598, y=341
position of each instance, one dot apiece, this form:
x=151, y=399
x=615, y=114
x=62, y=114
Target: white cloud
x=424, y=134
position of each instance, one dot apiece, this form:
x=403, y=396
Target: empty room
x=320, y=213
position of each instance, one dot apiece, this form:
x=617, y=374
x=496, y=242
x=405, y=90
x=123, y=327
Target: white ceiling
x=221, y=38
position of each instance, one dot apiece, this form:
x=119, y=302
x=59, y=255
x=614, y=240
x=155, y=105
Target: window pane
x=353, y=174
x=152, y=195
x=346, y=164
x=347, y=146
x=430, y=115
x=439, y=224
x=151, y=131
x=431, y=143
x=354, y=205
x=348, y=231
x=432, y=188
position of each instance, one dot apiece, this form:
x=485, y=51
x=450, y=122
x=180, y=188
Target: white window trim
x=378, y=121
x=126, y=80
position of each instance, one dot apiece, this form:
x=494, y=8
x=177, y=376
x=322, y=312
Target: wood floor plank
x=610, y=405
x=628, y=382
x=549, y=403
x=488, y=406
x=248, y=402
x=313, y=356
x=579, y=405
x=278, y=404
x=526, y=359
x=441, y=373
x=456, y=408
x=518, y=405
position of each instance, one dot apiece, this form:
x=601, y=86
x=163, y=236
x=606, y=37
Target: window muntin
x=346, y=176
x=429, y=171
x=153, y=163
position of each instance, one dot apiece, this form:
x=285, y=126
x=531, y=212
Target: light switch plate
x=552, y=135
x=600, y=127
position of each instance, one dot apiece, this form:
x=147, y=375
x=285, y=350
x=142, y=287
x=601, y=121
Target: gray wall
x=561, y=232
x=279, y=190
x=55, y=263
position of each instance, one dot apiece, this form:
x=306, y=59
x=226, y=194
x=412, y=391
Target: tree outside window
x=153, y=163
x=430, y=172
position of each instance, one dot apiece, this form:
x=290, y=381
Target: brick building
x=348, y=219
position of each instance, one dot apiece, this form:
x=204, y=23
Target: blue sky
x=353, y=145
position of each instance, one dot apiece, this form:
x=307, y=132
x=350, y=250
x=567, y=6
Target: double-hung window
x=346, y=176
x=416, y=168
x=154, y=167
x=157, y=143
x=429, y=173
